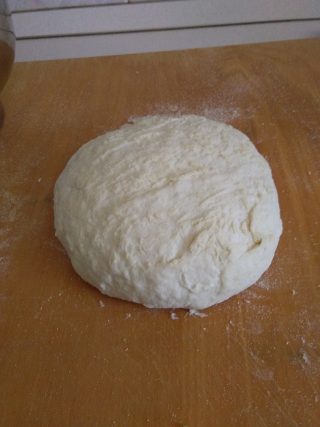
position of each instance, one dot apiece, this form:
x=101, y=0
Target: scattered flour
x=174, y=316
x=264, y=283
x=305, y=357
x=222, y=102
x=263, y=373
x=196, y=313
x=223, y=114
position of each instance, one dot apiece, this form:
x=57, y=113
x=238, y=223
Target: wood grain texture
x=72, y=357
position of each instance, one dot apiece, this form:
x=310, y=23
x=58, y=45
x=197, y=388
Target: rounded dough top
x=169, y=212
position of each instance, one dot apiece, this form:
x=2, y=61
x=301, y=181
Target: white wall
x=161, y=25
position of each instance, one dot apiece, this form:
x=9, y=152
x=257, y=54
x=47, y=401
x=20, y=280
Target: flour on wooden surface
x=196, y=313
x=174, y=316
x=224, y=114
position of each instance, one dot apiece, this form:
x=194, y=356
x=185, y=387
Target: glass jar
x=7, y=43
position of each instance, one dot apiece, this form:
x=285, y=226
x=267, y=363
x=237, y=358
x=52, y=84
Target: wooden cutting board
x=72, y=357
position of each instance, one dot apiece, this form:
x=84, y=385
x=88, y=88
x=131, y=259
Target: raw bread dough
x=169, y=212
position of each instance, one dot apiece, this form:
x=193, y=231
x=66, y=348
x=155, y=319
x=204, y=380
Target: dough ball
x=169, y=212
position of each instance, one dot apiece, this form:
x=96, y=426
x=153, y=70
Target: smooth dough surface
x=169, y=212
